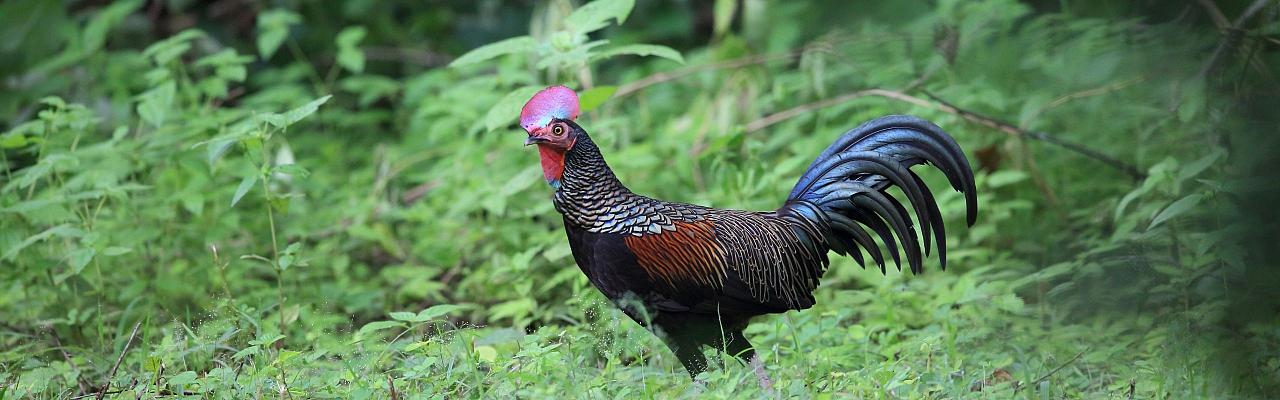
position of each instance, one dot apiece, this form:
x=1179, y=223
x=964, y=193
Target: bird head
x=548, y=119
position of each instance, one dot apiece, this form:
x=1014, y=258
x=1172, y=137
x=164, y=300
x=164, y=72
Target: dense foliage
x=303, y=200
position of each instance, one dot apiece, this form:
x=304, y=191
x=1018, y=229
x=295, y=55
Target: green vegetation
x=307, y=200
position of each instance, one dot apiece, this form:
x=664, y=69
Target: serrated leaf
x=595, y=15
x=245, y=185
x=1177, y=208
x=594, y=97
x=641, y=50
x=293, y=116
x=513, y=45
x=507, y=109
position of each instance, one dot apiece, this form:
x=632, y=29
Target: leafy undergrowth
x=333, y=202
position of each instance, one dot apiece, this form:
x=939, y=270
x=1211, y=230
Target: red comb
x=557, y=102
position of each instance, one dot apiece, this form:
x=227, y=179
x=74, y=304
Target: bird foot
x=757, y=367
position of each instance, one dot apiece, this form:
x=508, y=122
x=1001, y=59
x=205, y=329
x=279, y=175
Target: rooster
x=694, y=275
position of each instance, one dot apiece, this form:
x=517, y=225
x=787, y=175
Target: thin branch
x=821, y=104
x=425, y=58
x=1060, y=367
x=63, y=349
x=1232, y=35
x=827, y=45
x=661, y=77
x=1092, y=92
x=943, y=106
x=391, y=387
x=1215, y=13
x=1006, y=127
x=112, y=375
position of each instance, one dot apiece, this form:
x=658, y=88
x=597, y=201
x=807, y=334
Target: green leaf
x=1177, y=208
x=403, y=316
x=1196, y=167
x=376, y=326
x=292, y=116
x=245, y=185
x=594, y=97
x=486, y=353
x=350, y=57
x=79, y=258
x=595, y=15
x=95, y=32
x=518, y=44
x=246, y=352
x=1005, y=177
x=508, y=108
x=641, y=50
x=265, y=340
x=425, y=315
x=184, y=378
x=115, y=251
x=724, y=10
x=436, y=311
x=169, y=49
x=64, y=231
x=285, y=356
x=273, y=29
x=156, y=103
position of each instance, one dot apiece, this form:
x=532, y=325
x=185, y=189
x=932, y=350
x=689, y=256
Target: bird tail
x=844, y=189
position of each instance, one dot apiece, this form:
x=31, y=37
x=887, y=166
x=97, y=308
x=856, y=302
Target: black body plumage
x=696, y=275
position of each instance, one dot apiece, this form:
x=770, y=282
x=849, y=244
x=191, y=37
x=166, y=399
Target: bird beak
x=535, y=140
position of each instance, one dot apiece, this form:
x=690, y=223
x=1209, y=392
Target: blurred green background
x=323, y=199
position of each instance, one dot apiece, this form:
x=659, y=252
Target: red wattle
x=552, y=162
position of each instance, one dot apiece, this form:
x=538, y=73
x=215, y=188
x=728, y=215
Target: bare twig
x=1006, y=127
x=391, y=387
x=661, y=77
x=943, y=106
x=1215, y=13
x=112, y=374
x=1232, y=34
x=84, y=396
x=1092, y=92
x=824, y=45
x=806, y=108
x=425, y=58
x=1060, y=367
x=63, y=349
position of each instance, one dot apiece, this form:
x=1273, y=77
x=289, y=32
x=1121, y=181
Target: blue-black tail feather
x=844, y=189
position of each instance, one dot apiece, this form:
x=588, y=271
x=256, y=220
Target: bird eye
x=557, y=129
